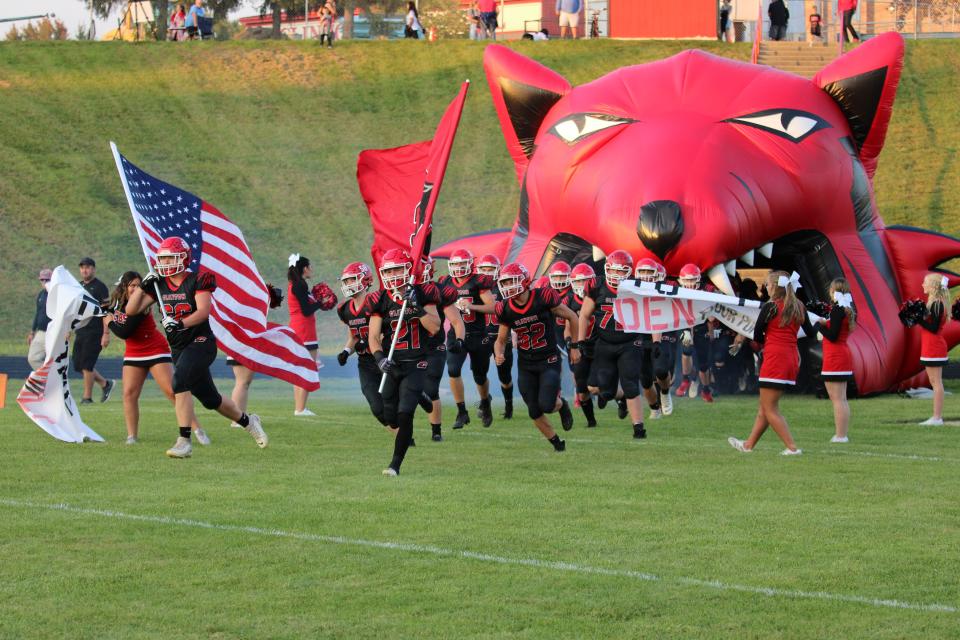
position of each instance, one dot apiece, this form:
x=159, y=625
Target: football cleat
x=683, y=388
x=462, y=419
x=707, y=395
x=507, y=411
x=566, y=416
x=655, y=414
x=180, y=449
x=485, y=412
x=622, y=410
x=202, y=437
x=391, y=472
x=255, y=429
x=666, y=402
x=639, y=433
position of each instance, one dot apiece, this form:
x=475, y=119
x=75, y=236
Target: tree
x=40, y=30
x=220, y=9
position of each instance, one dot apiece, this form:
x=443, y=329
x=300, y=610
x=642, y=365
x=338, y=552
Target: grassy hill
x=269, y=133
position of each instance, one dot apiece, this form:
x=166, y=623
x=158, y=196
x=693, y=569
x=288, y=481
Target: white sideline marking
x=691, y=443
x=484, y=557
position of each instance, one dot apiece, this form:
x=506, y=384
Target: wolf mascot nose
x=660, y=226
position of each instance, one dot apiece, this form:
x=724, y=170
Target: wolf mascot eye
x=787, y=123
x=574, y=128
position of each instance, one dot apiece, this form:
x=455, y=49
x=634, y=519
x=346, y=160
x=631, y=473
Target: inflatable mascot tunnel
x=704, y=159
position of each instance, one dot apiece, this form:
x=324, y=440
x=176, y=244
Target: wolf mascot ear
x=523, y=91
x=863, y=83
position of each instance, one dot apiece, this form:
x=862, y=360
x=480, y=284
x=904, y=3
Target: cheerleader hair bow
x=793, y=281
x=845, y=300
x=293, y=259
x=944, y=283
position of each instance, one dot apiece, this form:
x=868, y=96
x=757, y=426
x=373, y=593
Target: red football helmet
x=426, y=270
x=514, y=279
x=460, y=263
x=581, y=277
x=646, y=270
x=619, y=267
x=489, y=265
x=689, y=276
x=178, y=253
x=356, y=277
x=395, y=268
x=559, y=275
x=661, y=273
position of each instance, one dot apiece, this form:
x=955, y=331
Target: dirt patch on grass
x=288, y=66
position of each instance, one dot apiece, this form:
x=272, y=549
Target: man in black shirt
x=37, y=338
x=93, y=337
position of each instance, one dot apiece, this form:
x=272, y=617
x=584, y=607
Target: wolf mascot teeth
x=705, y=160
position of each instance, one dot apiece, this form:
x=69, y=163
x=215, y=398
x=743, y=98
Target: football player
x=406, y=367
x=474, y=300
x=582, y=277
x=186, y=298
x=648, y=270
x=531, y=314
x=489, y=265
x=697, y=342
x=617, y=354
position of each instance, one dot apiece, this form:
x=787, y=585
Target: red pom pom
x=323, y=294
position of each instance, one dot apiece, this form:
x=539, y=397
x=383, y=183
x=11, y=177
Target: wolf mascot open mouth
x=703, y=159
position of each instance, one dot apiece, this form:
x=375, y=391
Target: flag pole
x=136, y=225
x=393, y=342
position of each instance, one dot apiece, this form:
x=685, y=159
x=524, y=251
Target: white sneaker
x=390, y=471
x=256, y=430
x=839, y=440
x=202, y=437
x=932, y=422
x=132, y=440
x=694, y=388
x=655, y=414
x=738, y=445
x=791, y=452
x=666, y=403
x=180, y=449
x=306, y=413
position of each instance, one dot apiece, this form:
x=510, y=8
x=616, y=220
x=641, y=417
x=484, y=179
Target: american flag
x=238, y=315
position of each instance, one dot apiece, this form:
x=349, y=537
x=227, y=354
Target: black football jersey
x=357, y=318
x=180, y=301
x=493, y=322
x=560, y=325
x=604, y=324
x=533, y=323
x=446, y=296
x=471, y=287
x=575, y=304
x=413, y=340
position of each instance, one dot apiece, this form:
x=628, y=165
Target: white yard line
x=549, y=565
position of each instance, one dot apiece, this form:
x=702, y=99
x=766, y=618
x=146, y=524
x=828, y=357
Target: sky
x=72, y=12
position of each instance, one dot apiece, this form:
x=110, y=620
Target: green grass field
x=270, y=132
x=487, y=534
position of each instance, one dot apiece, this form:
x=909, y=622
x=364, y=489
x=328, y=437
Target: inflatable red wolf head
x=707, y=160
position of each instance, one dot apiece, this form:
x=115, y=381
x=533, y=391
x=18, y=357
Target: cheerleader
x=933, y=347
x=780, y=320
x=145, y=351
x=837, y=361
x=302, y=307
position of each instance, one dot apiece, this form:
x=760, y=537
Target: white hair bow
x=944, y=283
x=293, y=259
x=845, y=300
x=793, y=281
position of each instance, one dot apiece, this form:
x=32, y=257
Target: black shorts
x=370, y=386
x=480, y=349
x=618, y=362
x=505, y=370
x=146, y=364
x=702, y=351
x=664, y=359
x=191, y=372
x=86, y=351
x=401, y=393
x=647, y=353
x=436, y=363
x=539, y=384
x=581, y=373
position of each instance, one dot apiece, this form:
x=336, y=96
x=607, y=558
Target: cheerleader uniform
x=302, y=307
x=933, y=346
x=837, y=361
x=144, y=345
x=781, y=358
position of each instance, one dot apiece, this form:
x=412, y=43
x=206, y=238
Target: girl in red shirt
x=933, y=346
x=145, y=351
x=780, y=320
x=837, y=362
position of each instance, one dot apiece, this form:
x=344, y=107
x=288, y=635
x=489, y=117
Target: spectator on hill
x=326, y=26
x=176, y=30
x=473, y=18
x=488, y=17
x=93, y=337
x=191, y=22
x=726, y=34
x=569, y=13
x=779, y=16
x=37, y=338
x=848, y=8
x=413, y=28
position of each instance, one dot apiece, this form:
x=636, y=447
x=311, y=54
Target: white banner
x=649, y=307
x=45, y=396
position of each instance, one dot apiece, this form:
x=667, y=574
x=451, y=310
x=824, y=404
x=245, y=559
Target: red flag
x=400, y=187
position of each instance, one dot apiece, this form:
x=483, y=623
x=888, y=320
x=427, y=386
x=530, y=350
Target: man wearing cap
x=37, y=338
x=90, y=339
